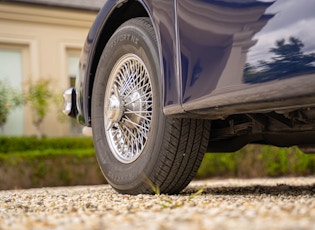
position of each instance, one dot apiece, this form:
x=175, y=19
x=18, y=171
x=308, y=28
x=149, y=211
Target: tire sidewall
x=128, y=177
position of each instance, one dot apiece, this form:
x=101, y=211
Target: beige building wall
x=46, y=37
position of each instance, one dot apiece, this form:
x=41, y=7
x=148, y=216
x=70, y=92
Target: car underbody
x=280, y=128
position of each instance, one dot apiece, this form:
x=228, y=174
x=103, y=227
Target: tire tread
x=182, y=154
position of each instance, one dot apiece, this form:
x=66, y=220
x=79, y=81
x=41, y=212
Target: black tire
x=137, y=147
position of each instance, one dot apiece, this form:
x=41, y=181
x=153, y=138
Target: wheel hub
x=134, y=104
x=115, y=108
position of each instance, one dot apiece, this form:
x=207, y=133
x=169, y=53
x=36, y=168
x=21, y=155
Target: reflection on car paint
x=285, y=46
x=288, y=60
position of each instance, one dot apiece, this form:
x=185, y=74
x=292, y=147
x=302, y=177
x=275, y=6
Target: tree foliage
x=38, y=97
x=288, y=60
x=9, y=100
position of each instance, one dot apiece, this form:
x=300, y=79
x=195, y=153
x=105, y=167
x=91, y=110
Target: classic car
x=162, y=82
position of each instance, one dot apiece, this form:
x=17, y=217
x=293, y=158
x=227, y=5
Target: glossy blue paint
x=221, y=42
x=216, y=56
x=214, y=39
x=164, y=19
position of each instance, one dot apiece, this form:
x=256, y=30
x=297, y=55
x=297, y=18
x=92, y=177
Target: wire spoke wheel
x=128, y=108
x=138, y=148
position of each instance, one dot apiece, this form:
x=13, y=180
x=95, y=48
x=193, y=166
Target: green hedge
x=18, y=144
x=28, y=162
x=49, y=168
x=258, y=161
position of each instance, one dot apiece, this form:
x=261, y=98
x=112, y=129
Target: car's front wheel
x=138, y=148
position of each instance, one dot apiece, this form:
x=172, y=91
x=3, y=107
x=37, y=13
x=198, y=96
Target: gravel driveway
x=286, y=203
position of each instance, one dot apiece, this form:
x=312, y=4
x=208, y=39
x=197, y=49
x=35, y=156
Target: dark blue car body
x=161, y=82
x=247, y=65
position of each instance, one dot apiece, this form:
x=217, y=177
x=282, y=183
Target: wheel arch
x=121, y=12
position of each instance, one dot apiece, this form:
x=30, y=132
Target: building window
x=73, y=63
x=11, y=74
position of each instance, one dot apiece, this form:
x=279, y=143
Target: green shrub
x=18, y=144
x=51, y=167
x=29, y=162
x=258, y=161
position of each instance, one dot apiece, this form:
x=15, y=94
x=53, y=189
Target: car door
x=242, y=56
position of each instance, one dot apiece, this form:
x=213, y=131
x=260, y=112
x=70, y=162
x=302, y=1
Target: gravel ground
x=285, y=203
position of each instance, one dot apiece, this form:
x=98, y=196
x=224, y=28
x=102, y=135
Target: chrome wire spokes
x=128, y=108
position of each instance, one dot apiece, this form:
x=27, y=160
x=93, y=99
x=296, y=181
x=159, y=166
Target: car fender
x=109, y=18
